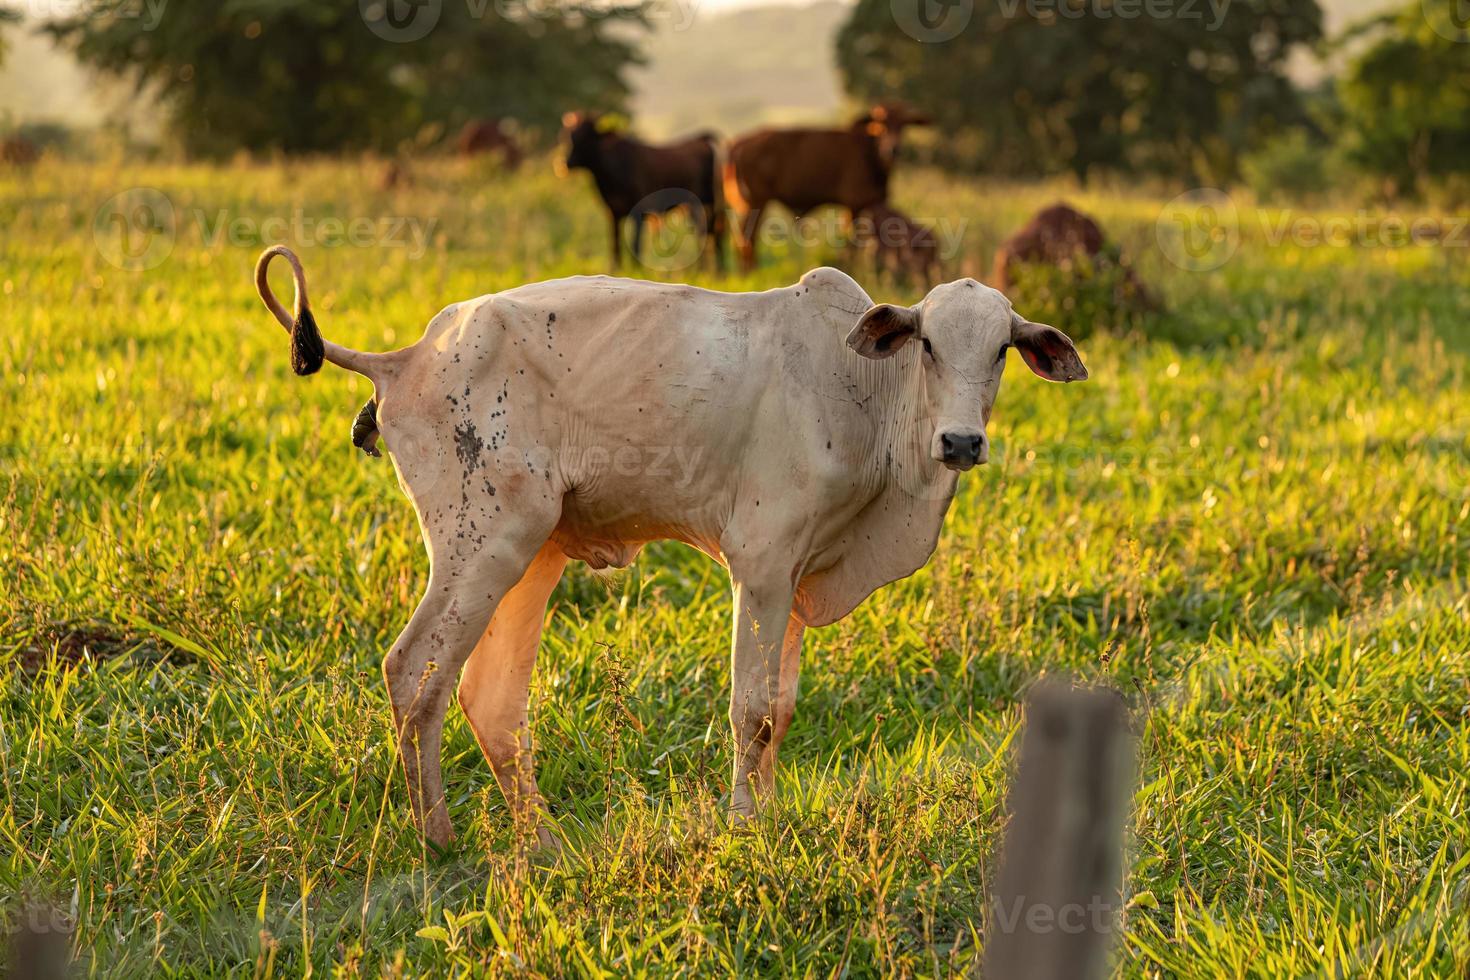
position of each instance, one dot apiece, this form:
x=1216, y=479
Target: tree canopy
x=1029, y=87
x=1406, y=96
x=6, y=16
x=325, y=75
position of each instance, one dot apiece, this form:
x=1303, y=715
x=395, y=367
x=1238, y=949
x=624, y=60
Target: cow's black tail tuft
x=307, y=350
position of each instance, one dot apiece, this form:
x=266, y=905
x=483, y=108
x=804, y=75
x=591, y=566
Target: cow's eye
x=1002, y=355
x=928, y=347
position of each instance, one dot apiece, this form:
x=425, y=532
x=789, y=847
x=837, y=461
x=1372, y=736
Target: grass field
x=1254, y=520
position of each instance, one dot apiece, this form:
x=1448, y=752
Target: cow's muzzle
x=961, y=449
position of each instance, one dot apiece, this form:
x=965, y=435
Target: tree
x=1406, y=97
x=325, y=75
x=1027, y=87
x=6, y=16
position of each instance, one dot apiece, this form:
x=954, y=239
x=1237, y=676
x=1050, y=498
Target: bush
x=1292, y=165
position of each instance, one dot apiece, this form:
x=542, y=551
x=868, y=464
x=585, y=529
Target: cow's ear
x=883, y=330
x=1047, y=351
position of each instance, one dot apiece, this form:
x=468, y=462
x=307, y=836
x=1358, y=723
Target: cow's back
x=669, y=349
x=806, y=168
x=659, y=400
x=688, y=164
x=1055, y=234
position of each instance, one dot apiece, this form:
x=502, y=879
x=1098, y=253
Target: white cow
x=803, y=437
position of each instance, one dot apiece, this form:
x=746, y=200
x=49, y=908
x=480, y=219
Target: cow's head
x=579, y=131
x=885, y=123
x=965, y=330
x=897, y=115
x=584, y=133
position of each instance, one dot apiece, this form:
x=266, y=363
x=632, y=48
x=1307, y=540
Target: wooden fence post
x=37, y=945
x=1058, y=894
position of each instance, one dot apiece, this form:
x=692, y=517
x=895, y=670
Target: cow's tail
x=308, y=349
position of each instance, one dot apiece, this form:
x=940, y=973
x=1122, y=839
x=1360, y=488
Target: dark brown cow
x=394, y=176
x=807, y=168
x=18, y=151
x=1057, y=235
x=489, y=136
x=902, y=246
x=640, y=180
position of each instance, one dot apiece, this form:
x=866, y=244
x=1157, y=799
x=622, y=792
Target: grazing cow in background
x=902, y=246
x=807, y=168
x=1056, y=236
x=18, y=151
x=804, y=437
x=489, y=136
x=640, y=180
x=394, y=176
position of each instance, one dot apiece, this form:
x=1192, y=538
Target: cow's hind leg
x=465, y=586
x=747, y=229
x=496, y=686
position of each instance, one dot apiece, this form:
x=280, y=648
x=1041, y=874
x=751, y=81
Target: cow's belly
x=607, y=527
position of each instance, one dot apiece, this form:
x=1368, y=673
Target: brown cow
x=902, y=246
x=640, y=180
x=489, y=136
x=1057, y=235
x=18, y=151
x=807, y=168
x=394, y=176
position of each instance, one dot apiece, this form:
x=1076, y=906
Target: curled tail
x=308, y=349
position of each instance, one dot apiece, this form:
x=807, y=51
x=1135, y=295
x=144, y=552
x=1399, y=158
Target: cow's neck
x=910, y=470
x=908, y=492
x=610, y=172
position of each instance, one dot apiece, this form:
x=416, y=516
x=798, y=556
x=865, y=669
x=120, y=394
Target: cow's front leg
x=762, y=615
x=617, y=241
x=423, y=665
x=714, y=231
x=638, y=217
x=765, y=774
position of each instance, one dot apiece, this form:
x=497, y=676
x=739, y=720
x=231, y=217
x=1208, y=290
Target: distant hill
x=735, y=69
